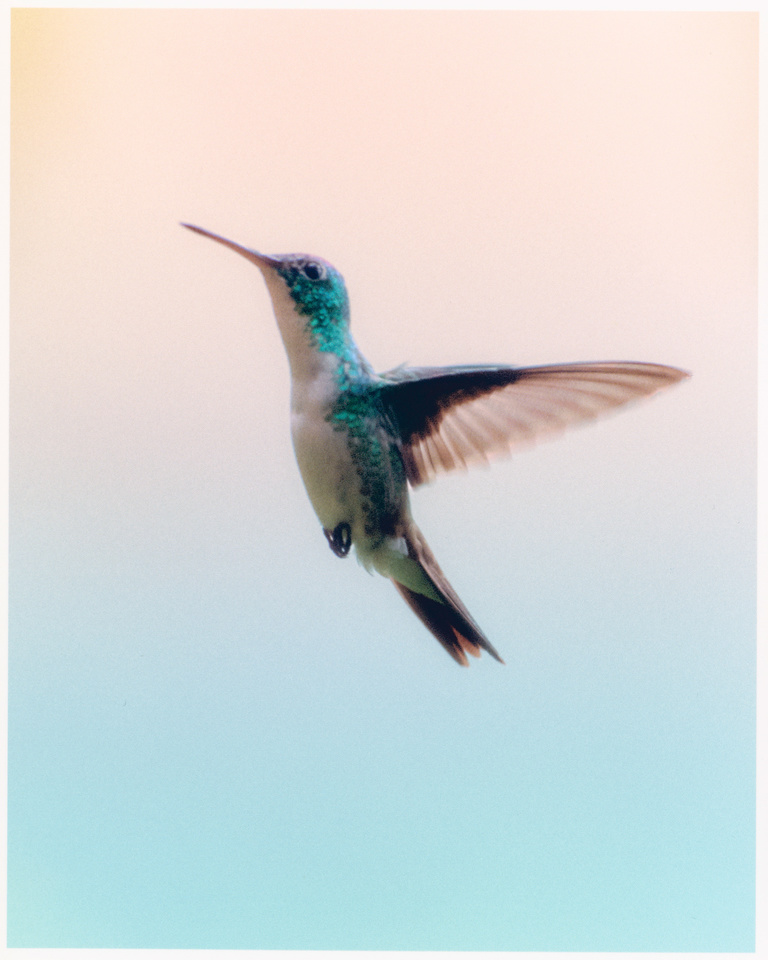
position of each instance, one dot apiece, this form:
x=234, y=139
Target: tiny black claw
x=340, y=539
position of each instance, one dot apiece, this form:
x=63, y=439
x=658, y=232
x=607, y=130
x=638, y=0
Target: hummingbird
x=362, y=439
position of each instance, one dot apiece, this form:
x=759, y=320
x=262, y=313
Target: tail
x=446, y=618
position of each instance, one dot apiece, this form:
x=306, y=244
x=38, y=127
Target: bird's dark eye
x=314, y=271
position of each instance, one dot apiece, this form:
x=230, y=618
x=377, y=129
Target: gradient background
x=220, y=734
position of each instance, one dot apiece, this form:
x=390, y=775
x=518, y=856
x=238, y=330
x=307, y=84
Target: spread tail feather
x=447, y=618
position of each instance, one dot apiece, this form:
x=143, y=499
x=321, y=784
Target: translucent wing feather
x=452, y=417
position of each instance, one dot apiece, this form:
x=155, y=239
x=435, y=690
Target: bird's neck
x=335, y=360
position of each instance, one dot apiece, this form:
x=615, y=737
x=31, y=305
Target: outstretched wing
x=451, y=417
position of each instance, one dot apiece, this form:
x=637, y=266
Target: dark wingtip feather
x=454, y=417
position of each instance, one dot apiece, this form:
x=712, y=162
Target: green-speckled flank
x=358, y=412
x=325, y=304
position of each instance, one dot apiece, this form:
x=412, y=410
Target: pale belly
x=334, y=485
x=326, y=467
x=368, y=491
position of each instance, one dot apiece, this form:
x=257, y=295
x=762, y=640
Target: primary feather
x=450, y=418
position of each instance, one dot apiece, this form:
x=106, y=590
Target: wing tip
x=551, y=398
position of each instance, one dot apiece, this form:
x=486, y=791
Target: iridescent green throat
x=325, y=304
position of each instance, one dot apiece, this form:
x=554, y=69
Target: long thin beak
x=253, y=255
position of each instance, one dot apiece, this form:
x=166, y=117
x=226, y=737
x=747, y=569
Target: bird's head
x=303, y=288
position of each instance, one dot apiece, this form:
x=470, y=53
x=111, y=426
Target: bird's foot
x=340, y=539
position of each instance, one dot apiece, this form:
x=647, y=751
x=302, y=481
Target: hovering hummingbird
x=361, y=438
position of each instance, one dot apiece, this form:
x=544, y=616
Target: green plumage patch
x=324, y=303
x=379, y=465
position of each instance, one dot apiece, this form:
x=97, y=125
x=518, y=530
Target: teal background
x=220, y=735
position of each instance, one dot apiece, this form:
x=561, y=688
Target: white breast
x=322, y=453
